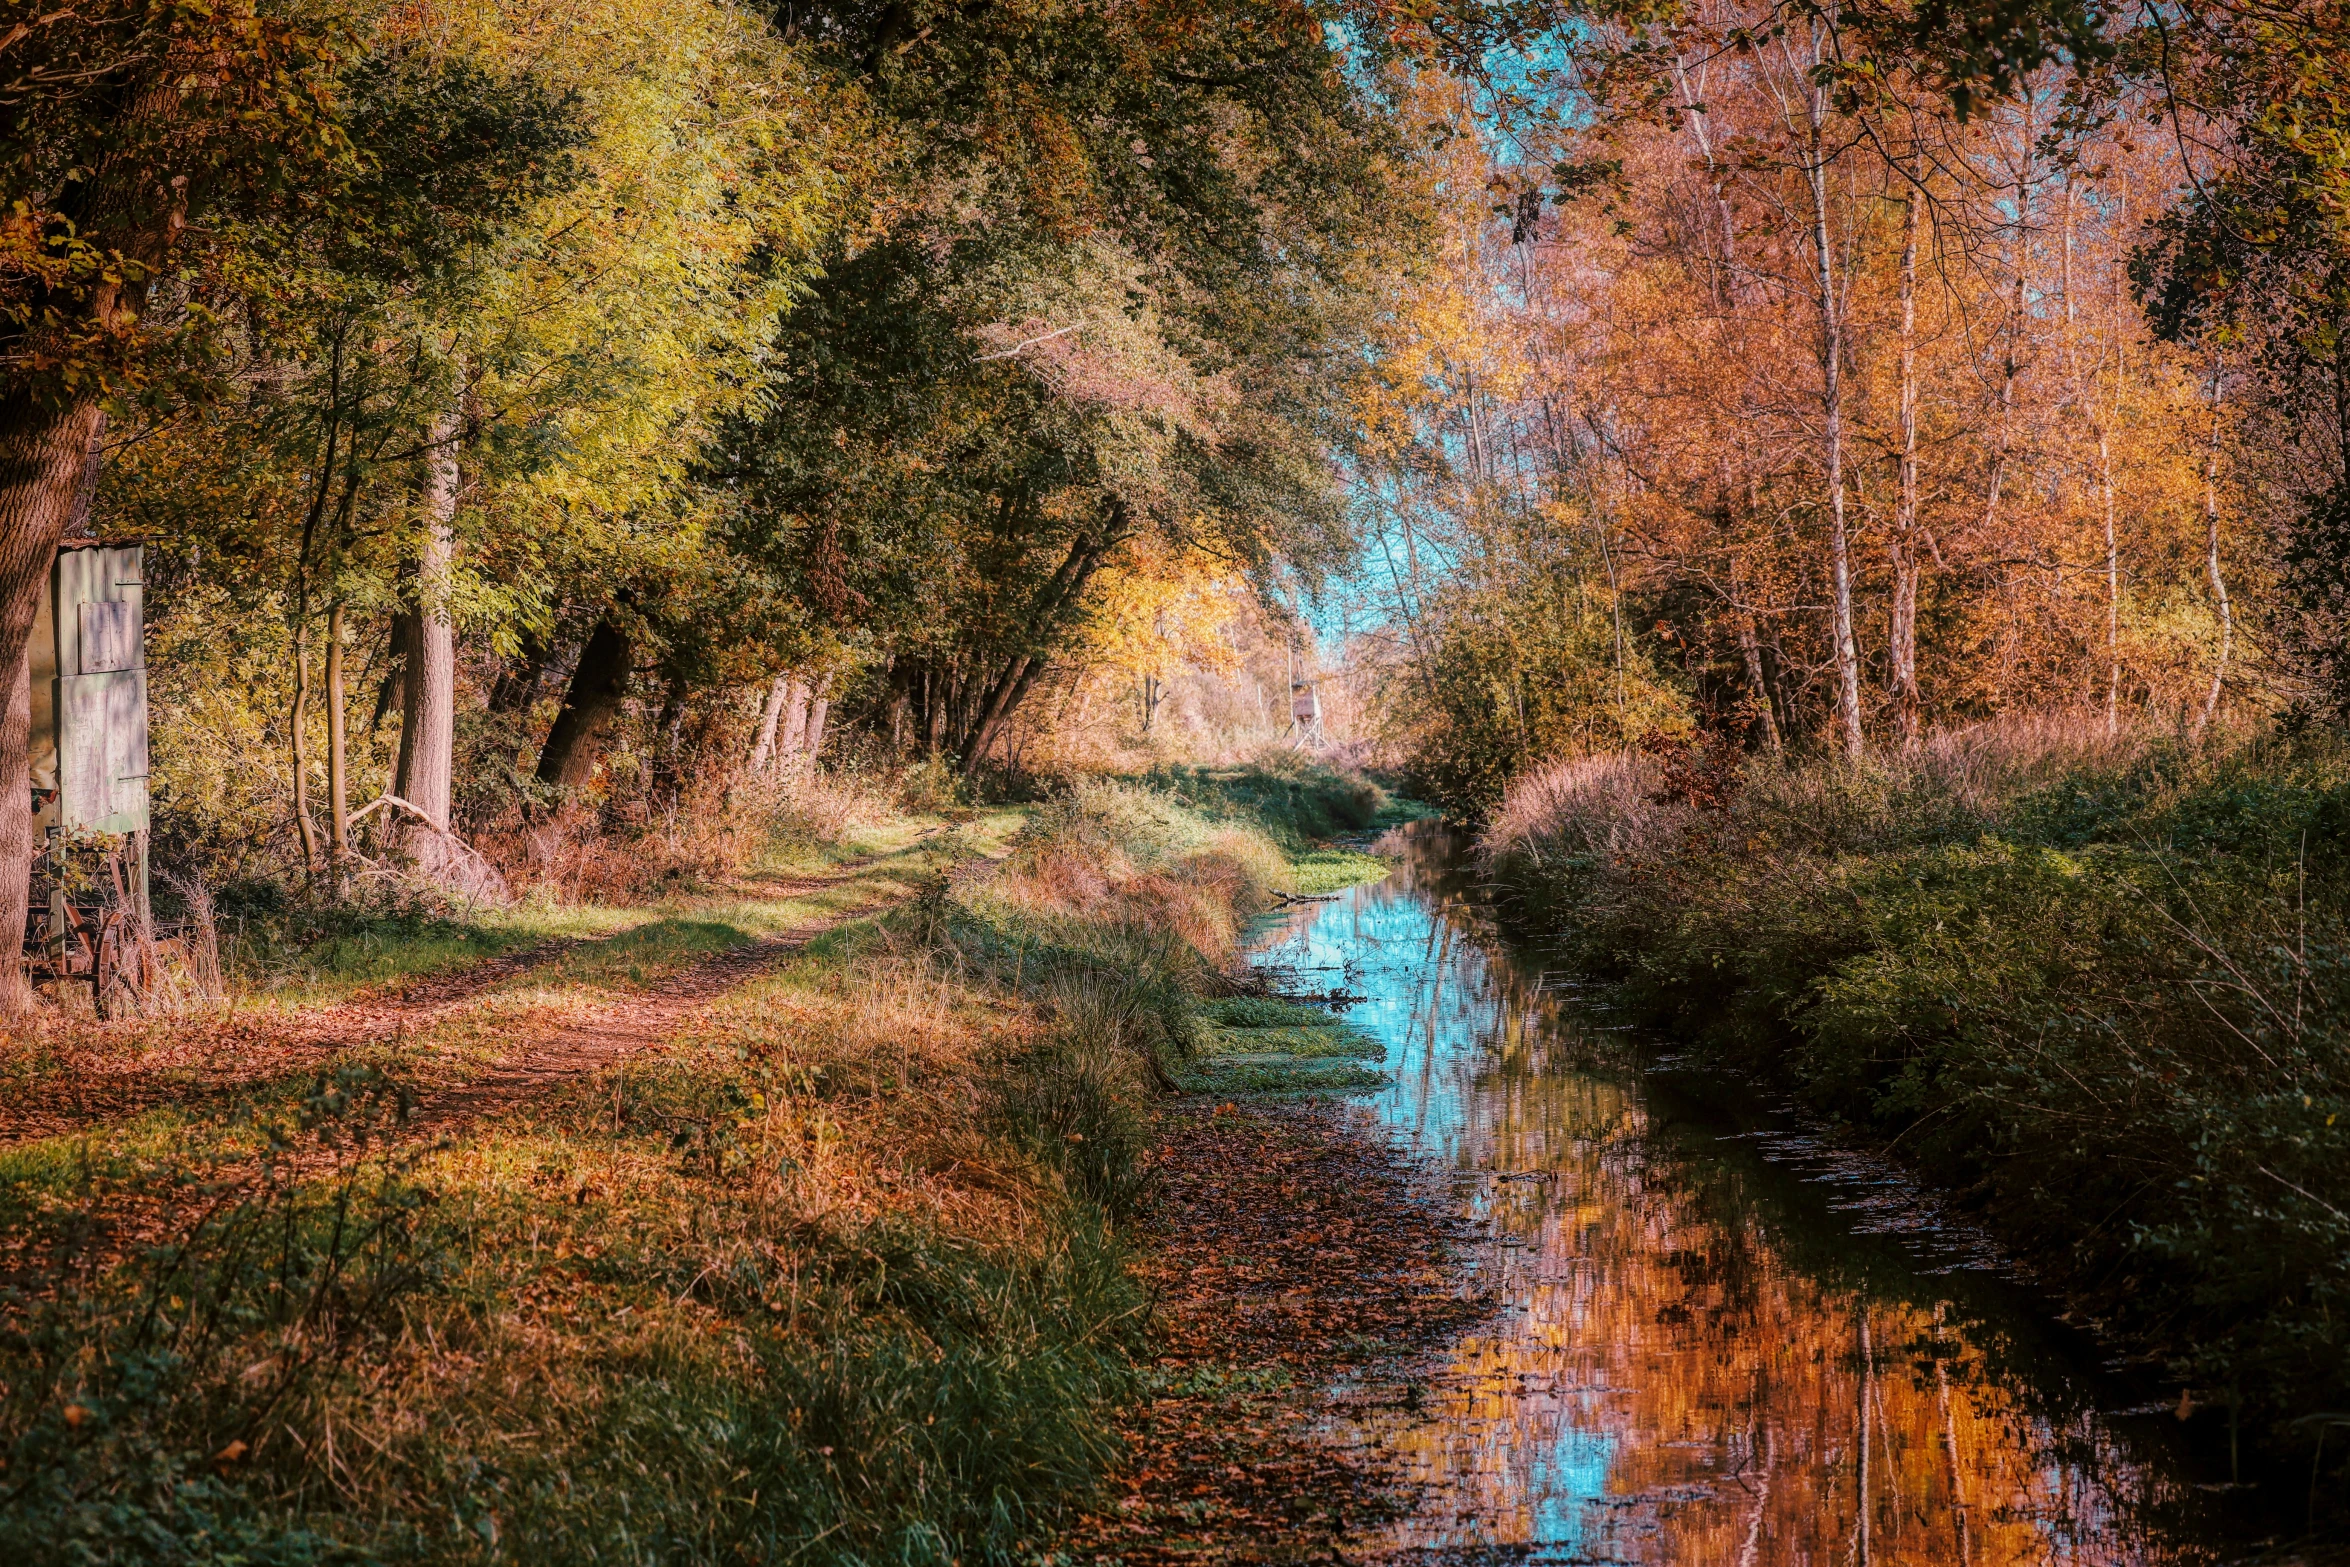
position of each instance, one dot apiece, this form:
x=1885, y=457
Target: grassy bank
x=840, y=1274
x=2100, y=985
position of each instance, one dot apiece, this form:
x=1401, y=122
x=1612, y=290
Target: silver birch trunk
x=1904, y=638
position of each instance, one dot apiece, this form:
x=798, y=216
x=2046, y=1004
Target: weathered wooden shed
x=89, y=708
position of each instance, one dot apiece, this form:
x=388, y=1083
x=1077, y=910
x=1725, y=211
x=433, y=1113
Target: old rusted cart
x=87, y=922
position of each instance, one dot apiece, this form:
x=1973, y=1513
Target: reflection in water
x=1698, y=1359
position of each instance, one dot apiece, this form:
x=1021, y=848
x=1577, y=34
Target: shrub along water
x=2100, y=984
x=840, y=1277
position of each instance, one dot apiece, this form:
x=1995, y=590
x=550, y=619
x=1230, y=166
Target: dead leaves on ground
x=1288, y=1248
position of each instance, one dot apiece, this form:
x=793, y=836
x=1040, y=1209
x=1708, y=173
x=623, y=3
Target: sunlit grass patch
x=1259, y=1045
x=1304, y=1044
x=828, y=1282
x=1333, y=870
x=1279, y=1074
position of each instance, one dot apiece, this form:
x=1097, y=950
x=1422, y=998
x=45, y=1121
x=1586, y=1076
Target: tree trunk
x=338, y=754
x=669, y=765
x=2084, y=404
x=1751, y=647
x=598, y=686
x=812, y=739
x=299, y=722
x=779, y=697
x=1831, y=325
x=934, y=708
x=2219, y=583
x=1067, y=587
x=2020, y=262
x=900, y=722
x=797, y=703
x=428, y=720
x=1904, y=650
x=392, y=695
x=44, y=451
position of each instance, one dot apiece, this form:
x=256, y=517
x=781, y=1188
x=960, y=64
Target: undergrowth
x=2099, y=984
x=841, y=1277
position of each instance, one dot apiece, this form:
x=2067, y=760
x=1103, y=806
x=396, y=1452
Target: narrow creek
x=1717, y=1341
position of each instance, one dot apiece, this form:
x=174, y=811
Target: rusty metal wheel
x=115, y=973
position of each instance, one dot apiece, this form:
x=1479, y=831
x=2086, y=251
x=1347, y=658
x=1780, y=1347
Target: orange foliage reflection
x=1668, y=1382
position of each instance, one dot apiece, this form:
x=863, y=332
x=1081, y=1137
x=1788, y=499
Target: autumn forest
x=676, y=662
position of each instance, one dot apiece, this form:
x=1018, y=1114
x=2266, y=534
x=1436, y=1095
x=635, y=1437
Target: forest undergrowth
x=2098, y=983
x=844, y=1271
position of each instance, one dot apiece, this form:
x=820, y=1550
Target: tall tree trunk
x=1751, y=647
x=1693, y=110
x=338, y=754
x=797, y=704
x=780, y=701
x=598, y=686
x=43, y=452
x=812, y=737
x=2019, y=264
x=2084, y=403
x=392, y=695
x=2219, y=583
x=428, y=722
x=299, y=722
x=1831, y=327
x=1066, y=588
x=669, y=765
x=1904, y=649
x=901, y=718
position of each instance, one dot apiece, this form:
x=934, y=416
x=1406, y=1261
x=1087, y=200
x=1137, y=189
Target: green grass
x=1334, y=870
x=290, y=957
x=1257, y=1045
x=1299, y=804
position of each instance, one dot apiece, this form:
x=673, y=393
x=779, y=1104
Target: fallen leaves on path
x=85, y=1075
x=1290, y=1247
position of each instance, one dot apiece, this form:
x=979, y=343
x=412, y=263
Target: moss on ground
x=1259, y=1045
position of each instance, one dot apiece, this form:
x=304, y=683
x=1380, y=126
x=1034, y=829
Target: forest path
x=571, y=1003
x=152, y=1178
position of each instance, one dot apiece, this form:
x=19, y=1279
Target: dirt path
x=111, y=1218
x=546, y=1060
x=1288, y=1248
x=209, y=1059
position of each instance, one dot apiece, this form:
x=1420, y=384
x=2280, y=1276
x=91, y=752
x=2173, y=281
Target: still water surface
x=1718, y=1342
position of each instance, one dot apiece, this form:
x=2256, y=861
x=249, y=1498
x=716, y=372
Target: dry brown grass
x=720, y=828
x=1634, y=805
x=1117, y=855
